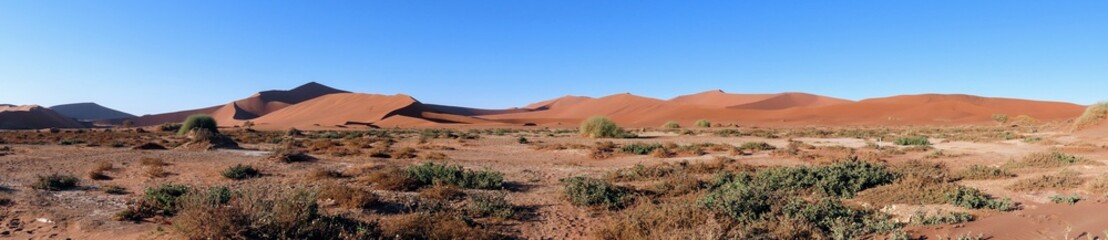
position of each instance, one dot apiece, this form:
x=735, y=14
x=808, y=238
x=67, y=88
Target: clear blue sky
x=157, y=56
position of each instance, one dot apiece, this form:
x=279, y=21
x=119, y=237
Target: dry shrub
x=156, y=172
x=320, y=173
x=103, y=166
x=662, y=153
x=392, y=179
x=436, y=147
x=979, y=172
x=668, y=220
x=1050, y=159
x=559, y=146
x=443, y=192
x=1099, y=186
x=1093, y=115
x=433, y=156
x=679, y=184
x=1066, y=179
x=931, y=171
x=289, y=154
x=264, y=213
x=912, y=190
x=436, y=225
x=152, y=161
x=404, y=153
x=348, y=197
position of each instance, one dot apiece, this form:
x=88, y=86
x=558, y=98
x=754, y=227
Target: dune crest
x=34, y=117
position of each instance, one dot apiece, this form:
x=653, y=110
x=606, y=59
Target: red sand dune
x=720, y=99
x=1047, y=221
x=791, y=100
x=343, y=109
x=33, y=117
x=928, y=109
x=562, y=102
x=252, y=107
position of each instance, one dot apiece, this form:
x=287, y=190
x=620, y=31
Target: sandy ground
x=86, y=213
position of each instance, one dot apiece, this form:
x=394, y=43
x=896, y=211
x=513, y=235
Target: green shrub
x=704, y=123
x=912, y=141
x=974, y=199
x=842, y=179
x=922, y=218
x=240, y=172
x=740, y=200
x=1065, y=179
x=491, y=205
x=431, y=173
x=842, y=222
x=727, y=133
x=640, y=148
x=56, y=182
x=671, y=125
x=1093, y=115
x=198, y=121
x=1066, y=199
x=164, y=199
x=585, y=191
x=601, y=127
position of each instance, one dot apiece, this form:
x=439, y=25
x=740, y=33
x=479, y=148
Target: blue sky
x=156, y=56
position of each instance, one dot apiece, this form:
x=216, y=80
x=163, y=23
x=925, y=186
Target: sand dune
x=344, y=109
x=172, y=117
x=89, y=112
x=34, y=117
x=791, y=109
x=562, y=102
x=791, y=100
x=720, y=99
x=234, y=113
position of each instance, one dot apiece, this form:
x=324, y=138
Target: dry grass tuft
x=1066, y=179
x=979, y=172
x=348, y=197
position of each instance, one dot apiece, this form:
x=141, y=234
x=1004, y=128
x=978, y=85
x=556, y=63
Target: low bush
x=392, y=179
x=240, y=172
x=1065, y=179
x=114, y=190
x=431, y=173
x=56, y=182
x=585, y=191
x=164, y=199
x=974, y=199
x=1066, y=199
x=1049, y=159
x=640, y=148
x=756, y=146
x=912, y=141
x=703, y=123
x=348, y=197
x=601, y=127
x=671, y=125
x=979, y=172
x=491, y=205
x=198, y=121
x=922, y=218
x=265, y=213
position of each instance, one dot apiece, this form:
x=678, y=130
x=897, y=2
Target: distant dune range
x=314, y=105
x=89, y=112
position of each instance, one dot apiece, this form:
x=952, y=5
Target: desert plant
x=585, y=191
x=703, y=123
x=348, y=197
x=164, y=199
x=265, y=213
x=759, y=146
x=1065, y=179
x=431, y=173
x=922, y=218
x=601, y=127
x=114, y=190
x=1049, y=159
x=671, y=125
x=152, y=161
x=240, y=172
x=974, y=199
x=198, y=121
x=442, y=192
x=491, y=205
x=1000, y=118
x=640, y=148
x=741, y=200
x=1066, y=199
x=56, y=182
x=979, y=172
x=912, y=141
x=1093, y=115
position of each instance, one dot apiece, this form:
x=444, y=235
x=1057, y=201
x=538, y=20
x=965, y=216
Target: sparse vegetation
x=923, y=218
x=1065, y=179
x=671, y=125
x=431, y=173
x=640, y=148
x=491, y=205
x=979, y=172
x=199, y=121
x=1049, y=159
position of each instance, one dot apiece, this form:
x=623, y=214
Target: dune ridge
x=34, y=117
